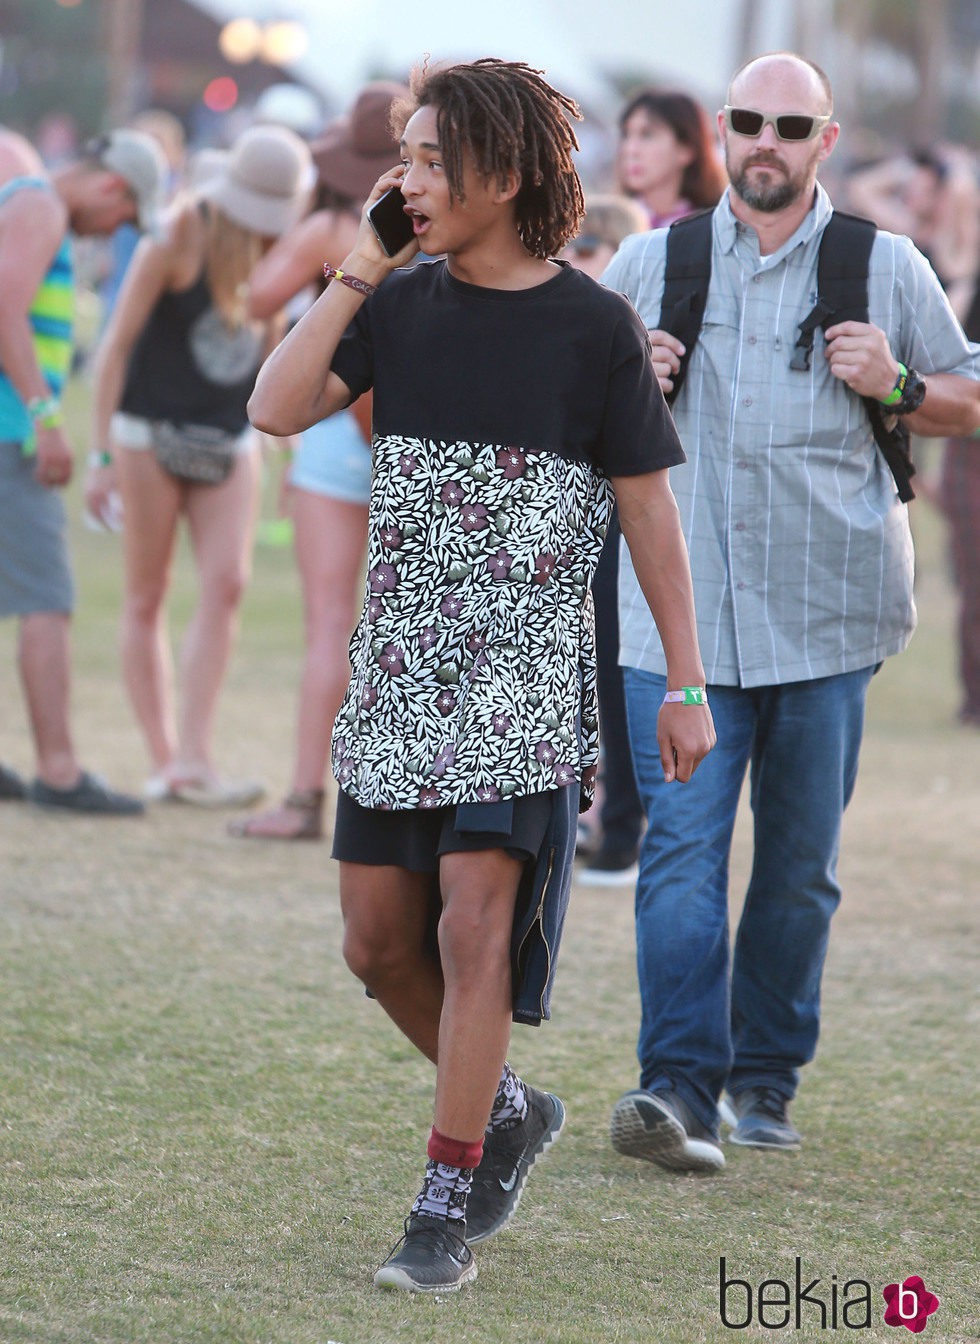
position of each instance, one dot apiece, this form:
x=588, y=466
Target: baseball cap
x=264, y=182
x=139, y=159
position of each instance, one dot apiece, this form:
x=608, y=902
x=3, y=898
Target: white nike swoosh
x=509, y=1184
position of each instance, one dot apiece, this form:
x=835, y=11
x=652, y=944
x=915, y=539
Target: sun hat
x=204, y=165
x=355, y=150
x=139, y=159
x=264, y=183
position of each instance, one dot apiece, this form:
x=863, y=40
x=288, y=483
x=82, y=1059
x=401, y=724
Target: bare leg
x=478, y=891
x=45, y=672
x=151, y=508
x=222, y=526
x=387, y=911
x=461, y=1022
x=330, y=537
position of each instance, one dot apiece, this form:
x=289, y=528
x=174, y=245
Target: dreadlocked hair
x=512, y=122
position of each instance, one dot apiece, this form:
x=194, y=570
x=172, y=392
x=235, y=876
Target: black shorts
x=416, y=838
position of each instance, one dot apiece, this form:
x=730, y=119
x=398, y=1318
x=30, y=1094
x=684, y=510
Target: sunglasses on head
x=789, y=126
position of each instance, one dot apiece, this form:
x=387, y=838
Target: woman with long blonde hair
x=173, y=374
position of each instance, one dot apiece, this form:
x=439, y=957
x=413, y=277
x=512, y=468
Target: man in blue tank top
x=119, y=178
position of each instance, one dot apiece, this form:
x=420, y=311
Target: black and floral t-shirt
x=499, y=416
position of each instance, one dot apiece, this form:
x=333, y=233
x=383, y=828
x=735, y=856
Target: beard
x=770, y=194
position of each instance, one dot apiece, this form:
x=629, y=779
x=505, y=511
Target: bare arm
x=295, y=387
x=296, y=261
x=149, y=274
x=951, y=407
x=31, y=229
x=651, y=525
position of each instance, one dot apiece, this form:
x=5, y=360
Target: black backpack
x=842, y=296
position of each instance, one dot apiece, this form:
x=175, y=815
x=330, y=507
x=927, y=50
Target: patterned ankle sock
x=510, y=1103
x=444, y=1192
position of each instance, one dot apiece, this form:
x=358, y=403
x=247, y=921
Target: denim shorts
x=416, y=838
x=333, y=460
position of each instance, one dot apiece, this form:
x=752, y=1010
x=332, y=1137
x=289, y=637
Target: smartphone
x=390, y=223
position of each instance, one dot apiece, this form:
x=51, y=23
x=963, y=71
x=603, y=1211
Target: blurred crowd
x=173, y=317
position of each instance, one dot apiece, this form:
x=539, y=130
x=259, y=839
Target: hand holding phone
x=391, y=225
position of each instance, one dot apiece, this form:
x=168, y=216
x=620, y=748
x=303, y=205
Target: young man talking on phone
x=509, y=392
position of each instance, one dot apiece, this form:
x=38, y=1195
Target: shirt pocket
x=716, y=355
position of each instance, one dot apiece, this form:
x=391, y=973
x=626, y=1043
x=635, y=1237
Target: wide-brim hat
x=264, y=184
x=355, y=150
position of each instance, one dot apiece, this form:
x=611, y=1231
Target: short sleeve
x=637, y=433
x=353, y=359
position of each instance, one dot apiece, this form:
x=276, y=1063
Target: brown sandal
x=306, y=804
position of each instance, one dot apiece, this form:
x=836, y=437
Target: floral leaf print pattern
x=473, y=663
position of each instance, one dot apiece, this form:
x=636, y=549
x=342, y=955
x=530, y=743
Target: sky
x=691, y=43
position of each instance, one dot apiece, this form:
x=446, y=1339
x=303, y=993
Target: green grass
x=207, y=1133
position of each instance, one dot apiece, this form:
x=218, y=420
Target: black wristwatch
x=913, y=394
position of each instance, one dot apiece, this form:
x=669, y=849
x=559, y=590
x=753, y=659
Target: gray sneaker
x=432, y=1257
x=660, y=1127
x=758, y=1119
x=508, y=1157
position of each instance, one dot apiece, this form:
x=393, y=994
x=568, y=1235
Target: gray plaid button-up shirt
x=800, y=548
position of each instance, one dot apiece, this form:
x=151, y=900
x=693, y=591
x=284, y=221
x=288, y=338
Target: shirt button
x=740, y=585
x=739, y=527
x=747, y=401
x=751, y=340
x=741, y=464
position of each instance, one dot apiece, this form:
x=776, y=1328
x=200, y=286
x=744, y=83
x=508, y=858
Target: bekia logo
x=809, y=1304
x=909, y=1304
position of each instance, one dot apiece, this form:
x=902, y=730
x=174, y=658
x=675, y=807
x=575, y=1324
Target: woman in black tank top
x=176, y=364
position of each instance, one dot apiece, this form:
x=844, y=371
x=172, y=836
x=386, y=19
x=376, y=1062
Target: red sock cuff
x=454, y=1152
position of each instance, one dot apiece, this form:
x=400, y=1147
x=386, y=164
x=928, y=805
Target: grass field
x=207, y=1133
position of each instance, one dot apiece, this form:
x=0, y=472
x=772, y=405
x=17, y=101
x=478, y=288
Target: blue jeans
x=700, y=1029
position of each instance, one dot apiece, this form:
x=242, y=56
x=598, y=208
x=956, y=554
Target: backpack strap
x=842, y=296
x=686, y=277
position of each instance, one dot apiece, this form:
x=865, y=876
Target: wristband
x=687, y=695
x=102, y=459
x=351, y=281
x=898, y=391
x=45, y=412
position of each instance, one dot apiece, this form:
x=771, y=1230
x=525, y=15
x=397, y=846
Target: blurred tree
x=122, y=24
x=51, y=62
x=938, y=43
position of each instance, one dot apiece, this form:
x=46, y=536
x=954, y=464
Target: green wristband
x=898, y=391
x=45, y=412
x=687, y=695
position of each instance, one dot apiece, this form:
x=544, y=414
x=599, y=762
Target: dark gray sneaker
x=759, y=1119
x=90, y=795
x=432, y=1257
x=508, y=1157
x=660, y=1127
x=12, y=787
